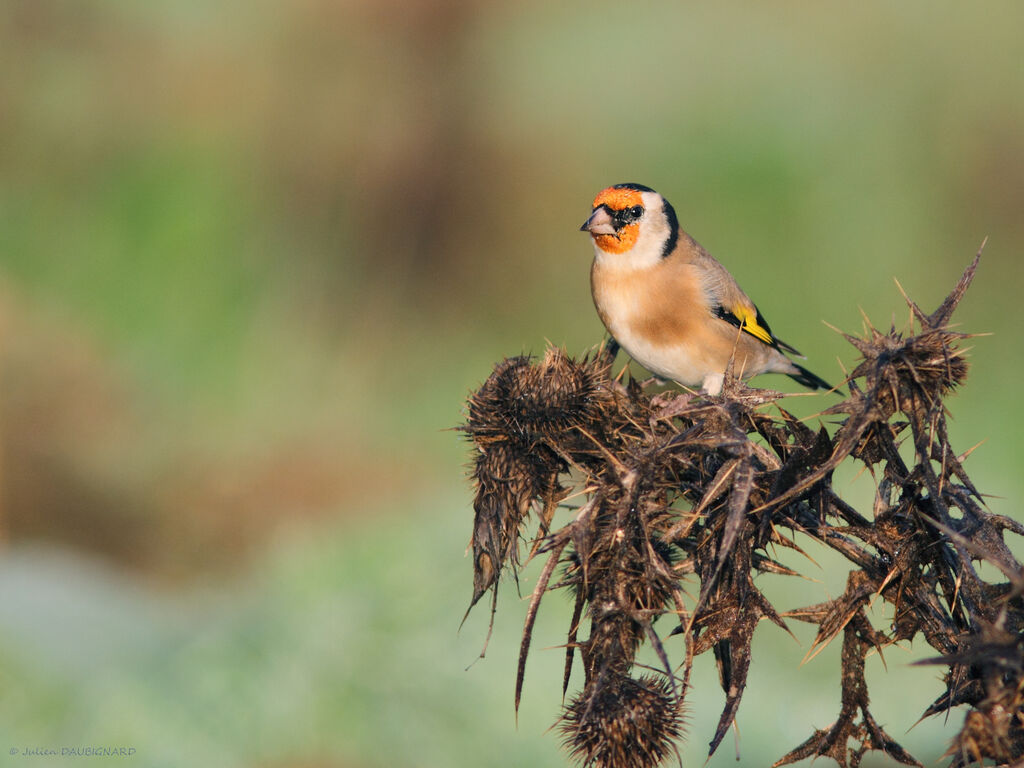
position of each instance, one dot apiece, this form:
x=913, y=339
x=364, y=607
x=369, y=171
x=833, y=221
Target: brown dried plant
x=681, y=488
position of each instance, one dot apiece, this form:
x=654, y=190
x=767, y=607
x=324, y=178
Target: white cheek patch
x=654, y=230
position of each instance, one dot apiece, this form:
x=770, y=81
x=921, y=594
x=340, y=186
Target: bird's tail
x=808, y=379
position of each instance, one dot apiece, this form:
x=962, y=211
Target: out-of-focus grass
x=251, y=263
x=338, y=648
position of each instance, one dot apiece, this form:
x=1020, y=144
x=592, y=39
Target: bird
x=672, y=306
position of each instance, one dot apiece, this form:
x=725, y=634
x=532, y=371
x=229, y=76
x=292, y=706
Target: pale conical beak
x=599, y=223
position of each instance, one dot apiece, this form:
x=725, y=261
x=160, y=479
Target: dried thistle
x=623, y=722
x=686, y=495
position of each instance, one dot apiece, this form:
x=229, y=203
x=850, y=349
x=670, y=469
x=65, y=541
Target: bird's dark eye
x=628, y=215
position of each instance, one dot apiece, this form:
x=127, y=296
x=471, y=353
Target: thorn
x=970, y=450
x=865, y=321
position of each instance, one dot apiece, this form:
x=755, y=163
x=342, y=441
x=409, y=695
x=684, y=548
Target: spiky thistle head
x=523, y=400
x=623, y=722
x=904, y=367
x=518, y=421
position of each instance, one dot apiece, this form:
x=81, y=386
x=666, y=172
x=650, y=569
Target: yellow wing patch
x=754, y=324
x=751, y=326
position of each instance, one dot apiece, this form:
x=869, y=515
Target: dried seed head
x=928, y=363
x=992, y=733
x=516, y=420
x=521, y=400
x=623, y=723
x=902, y=369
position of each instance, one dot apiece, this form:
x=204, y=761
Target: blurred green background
x=253, y=257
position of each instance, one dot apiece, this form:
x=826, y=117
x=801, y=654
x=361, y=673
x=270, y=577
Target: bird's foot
x=712, y=386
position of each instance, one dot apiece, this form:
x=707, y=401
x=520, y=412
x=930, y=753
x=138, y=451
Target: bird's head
x=634, y=221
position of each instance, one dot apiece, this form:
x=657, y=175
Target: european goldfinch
x=669, y=304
